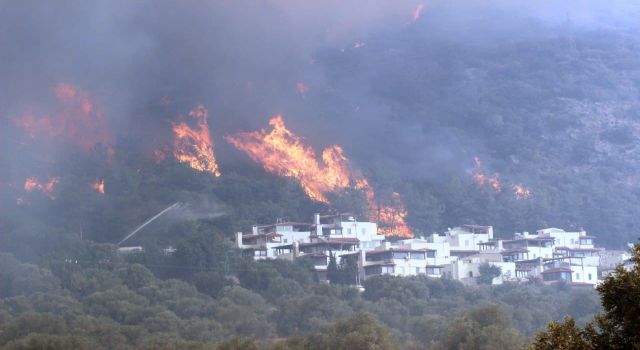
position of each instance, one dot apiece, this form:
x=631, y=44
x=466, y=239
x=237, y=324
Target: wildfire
x=32, y=183
x=521, y=192
x=75, y=119
x=282, y=152
x=392, y=219
x=98, y=185
x=481, y=178
x=194, y=145
x=417, y=12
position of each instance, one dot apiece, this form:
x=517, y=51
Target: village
x=548, y=256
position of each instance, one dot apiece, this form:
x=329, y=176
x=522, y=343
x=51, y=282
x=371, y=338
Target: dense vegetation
x=551, y=104
x=615, y=328
x=69, y=293
x=89, y=297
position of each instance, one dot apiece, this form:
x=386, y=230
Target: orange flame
x=521, y=192
x=481, y=178
x=282, y=152
x=98, y=185
x=417, y=12
x=75, y=120
x=32, y=183
x=392, y=219
x=194, y=145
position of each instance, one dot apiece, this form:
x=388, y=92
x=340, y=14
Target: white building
x=568, y=271
x=467, y=269
x=261, y=243
x=346, y=226
x=396, y=260
x=468, y=237
x=550, y=255
x=574, y=239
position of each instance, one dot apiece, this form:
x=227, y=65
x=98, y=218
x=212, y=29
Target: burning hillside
x=520, y=192
x=193, y=145
x=75, y=119
x=98, y=185
x=481, y=178
x=32, y=184
x=282, y=152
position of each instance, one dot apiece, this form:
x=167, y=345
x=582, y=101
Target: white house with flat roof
x=467, y=269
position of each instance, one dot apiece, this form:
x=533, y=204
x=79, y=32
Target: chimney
x=316, y=222
x=362, y=257
x=239, y=239
x=296, y=249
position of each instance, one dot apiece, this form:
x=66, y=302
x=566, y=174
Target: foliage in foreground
x=102, y=300
x=617, y=327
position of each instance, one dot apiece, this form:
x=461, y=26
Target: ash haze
x=411, y=96
x=411, y=99
x=419, y=115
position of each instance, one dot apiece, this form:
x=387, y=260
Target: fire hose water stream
x=169, y=208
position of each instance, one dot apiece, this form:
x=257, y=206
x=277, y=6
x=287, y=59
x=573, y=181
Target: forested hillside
x=88, y=297
x=435, y=114
x=545, y=102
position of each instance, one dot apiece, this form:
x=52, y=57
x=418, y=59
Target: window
x=589, y=275
x=401, y=270
x=578, y=275
x=348, y=231
x=433, y=270
x=466, y=243
x=417, y=256
x=470, y=273
x=400, y=255
x=417, y=270
x=364, y=231
x=285, y=240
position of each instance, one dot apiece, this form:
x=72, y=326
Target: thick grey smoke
x=243, y=60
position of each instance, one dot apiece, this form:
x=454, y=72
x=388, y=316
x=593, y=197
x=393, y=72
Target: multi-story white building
x=467, y=269
x=551, y=255
x=261, y=243
x=329, y=235
x=568, y=271
x=397, y=260
x=346, y=226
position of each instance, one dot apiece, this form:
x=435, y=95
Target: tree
x=616, y=328
x=333, y=274
x=482, y=328
x=561, y=335
x=619, y=325
x=362, y=331
x=487, y=273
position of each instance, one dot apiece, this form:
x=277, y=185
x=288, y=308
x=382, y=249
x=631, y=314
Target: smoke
x=199, y=209
x=147, y=62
